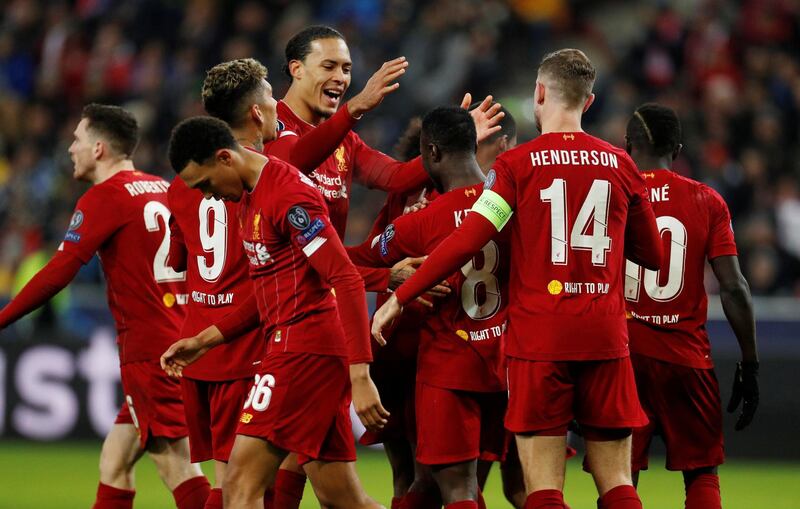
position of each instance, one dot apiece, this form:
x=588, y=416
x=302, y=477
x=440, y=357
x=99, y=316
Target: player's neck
x=249, y=137
x=253, y=164
x=301, y=108
x=105, y=171
x=464, y=172
x=562, y=122
x=654, y=163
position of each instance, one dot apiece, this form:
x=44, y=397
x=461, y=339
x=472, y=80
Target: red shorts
x=545, y=395
x=684, y=407
x=152, y=402
x=456, y=426
x=300, y=402
x=212, y=415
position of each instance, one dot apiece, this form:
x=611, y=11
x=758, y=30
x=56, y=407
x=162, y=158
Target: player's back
x=217, y=279
x=571, y=193
x=462, y=340
x=668, y=307
x=125, y=219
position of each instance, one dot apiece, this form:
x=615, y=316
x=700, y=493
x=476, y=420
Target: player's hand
x=366, y=400
x=420, y=204
x=186, y=351
x=487, y=116
x=379, y=86
x=384, y=316
x=745, y=389
x=404, y=269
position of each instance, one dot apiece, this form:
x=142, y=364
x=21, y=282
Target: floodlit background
x=730, y=69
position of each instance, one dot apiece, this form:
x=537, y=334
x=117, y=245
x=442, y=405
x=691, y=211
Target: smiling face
x=324, y=76
x=216, y=178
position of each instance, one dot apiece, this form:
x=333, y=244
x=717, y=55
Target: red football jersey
x=668, y=308
x=217, y=280
x=572, y=195
x=282, y=221
x=126, y=221
x=461, y=341
x=354, y=159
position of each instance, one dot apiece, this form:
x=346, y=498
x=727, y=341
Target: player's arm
x=642, y=238
x=307, y=152
x=178, y=254
x=53, y=278
x=234, y=325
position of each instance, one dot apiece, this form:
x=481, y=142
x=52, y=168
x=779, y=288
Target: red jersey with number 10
x=125, y=219
x=572, y=195
x=217, y=280
x=667, y=309
x=461, y=342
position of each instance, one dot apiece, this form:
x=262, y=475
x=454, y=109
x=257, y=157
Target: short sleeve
x=94, y=220
x=720, y=232
x=301, y=216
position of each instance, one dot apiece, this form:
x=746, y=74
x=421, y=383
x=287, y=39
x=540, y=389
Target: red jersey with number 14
x=668, y=308
x=125, y=219
x=572, y=195
x=217, y=280
x=461, y=342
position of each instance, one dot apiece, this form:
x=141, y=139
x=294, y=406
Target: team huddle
x=525, y=291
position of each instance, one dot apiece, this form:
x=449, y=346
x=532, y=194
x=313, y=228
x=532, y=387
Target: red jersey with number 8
x=125, y=219
x=667, y=308
x=572, y=195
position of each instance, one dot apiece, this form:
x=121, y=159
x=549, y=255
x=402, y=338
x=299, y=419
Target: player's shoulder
x=285, y=182
x=289, y=123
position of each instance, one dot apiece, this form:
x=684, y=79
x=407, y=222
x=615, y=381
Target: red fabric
x=396, y=502
x=214, y=500
x=479, y=433
x=289, y=487
x=669, y=307
x=352, y=160
x=422, y=500
x=621, y=497
x=544, y=395
x=192, y=494
x=125, y=220
x=310, y=150
x=297, y=413
x=109, y=497
x=217, y=279
x=269, y=497
x=295, y=259
x=703, y=492
x=212, y=411
x=154, y=401
x=240, y=321
x=684, y=407
x=481, y=501
x=463, y=504
x=545, y=499
x=50, y=280
x=452, y=341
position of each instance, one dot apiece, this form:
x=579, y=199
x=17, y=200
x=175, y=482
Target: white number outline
x=260, y=393
x=162, y=272
x=483, y=276
x=676, y=274
x=214, y=243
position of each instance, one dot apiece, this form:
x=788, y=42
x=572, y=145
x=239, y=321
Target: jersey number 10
x=677, y=265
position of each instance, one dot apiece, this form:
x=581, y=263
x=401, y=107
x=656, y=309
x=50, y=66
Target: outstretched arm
x=53, y=278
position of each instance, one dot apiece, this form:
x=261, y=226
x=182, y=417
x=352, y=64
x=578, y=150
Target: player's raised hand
x=420, y=204
x=390, y=310
x=379, y=86
x=185, y=351
x=487, y=116
x=404, y=269
x=745, y=389
x=366, y=400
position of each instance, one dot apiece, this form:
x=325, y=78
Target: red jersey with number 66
x=667, y=308
x=572, y=197
x=217, y=280
x=461, y=341
x=125, y=219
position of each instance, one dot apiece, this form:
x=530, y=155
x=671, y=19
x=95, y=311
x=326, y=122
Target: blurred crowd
x=730, y=68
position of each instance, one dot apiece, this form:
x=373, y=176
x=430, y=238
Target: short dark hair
x=572, y=73
x=197, y=139
x=654, y=129
x=299, y=46
x=229, y=88
x=508, y=126
x=115, y=125
x=451, y=129
x=407, y=147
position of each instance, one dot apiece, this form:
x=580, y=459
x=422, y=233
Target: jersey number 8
x=484, y=279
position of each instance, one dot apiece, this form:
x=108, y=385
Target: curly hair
x=230, y=88
x=196, y=139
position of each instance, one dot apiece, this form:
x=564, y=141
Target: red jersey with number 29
x=217, y=279
x=461, y=342
x=125, y=219
x=668, y=308
x=572, y=195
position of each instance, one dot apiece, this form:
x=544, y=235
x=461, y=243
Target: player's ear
x=540, y=90
x=436, y=154
x=628, y=146
x=256, y=115
x=224, y=156
x=296, y=69
x=677, y=151
x=98, y=150
x=503, y=143
x=588, y=102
